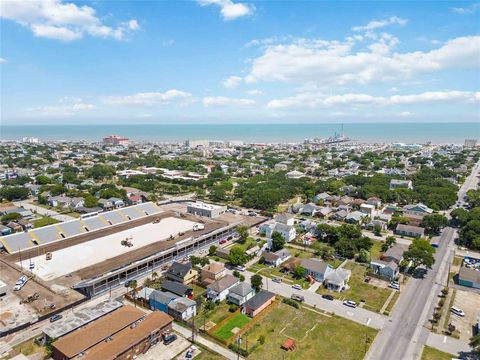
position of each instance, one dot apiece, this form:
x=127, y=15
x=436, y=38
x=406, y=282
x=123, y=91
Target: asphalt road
x=26, y=204
x=404, y=335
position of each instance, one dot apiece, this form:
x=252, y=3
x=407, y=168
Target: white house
x=219, y=290
x=182, y=308
x=401, y=184
x=285, y=218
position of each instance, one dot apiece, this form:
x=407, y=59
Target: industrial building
x=122, y=334
x=207, y=210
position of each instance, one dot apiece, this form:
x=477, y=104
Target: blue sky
x=220, y=61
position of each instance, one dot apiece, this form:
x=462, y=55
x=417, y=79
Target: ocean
x=438, y=133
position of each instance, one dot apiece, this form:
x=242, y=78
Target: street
x=26, y=204
x=404, y=336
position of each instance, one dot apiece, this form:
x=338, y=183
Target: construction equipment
x=126, y=242
x=48, y=256
x=181, y=233
x=30, y=298
x=171, y=237
x=156, y=221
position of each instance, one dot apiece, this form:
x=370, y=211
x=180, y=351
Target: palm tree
x=475, y=343
x=154, y=276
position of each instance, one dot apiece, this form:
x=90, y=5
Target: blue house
x=159, y=300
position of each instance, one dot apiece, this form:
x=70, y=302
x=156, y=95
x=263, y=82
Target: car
x=277, y=280
x=169, y=339
x=393, y=285
x=223, y=241
x=350, y=303
x=457, y=311
x=19, y=283
x=240, y=268
x=17, y=287
x=189, y=354
x=297, y=297
x=31, y=266
x=328, y=297
x=56, y=317
x=296, y=287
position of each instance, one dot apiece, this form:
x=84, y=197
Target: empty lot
x=469, y=302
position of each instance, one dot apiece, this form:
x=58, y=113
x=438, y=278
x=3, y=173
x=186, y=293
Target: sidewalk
x=447, y=344
x=187, y=333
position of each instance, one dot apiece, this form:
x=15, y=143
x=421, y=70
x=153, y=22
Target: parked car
x=223, y=241
x=328, y=297
x=277, y=280
x=17, y=287
x=350, y=303
x=457, y=311
x=169, y=339
x=394, y=285
x=31, y=266
x=296, y=287
x=240, y=268
x=297, y=297
x=56, y=317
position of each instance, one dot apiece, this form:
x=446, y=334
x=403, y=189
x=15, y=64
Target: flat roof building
x=208, y=210
x=121, y=334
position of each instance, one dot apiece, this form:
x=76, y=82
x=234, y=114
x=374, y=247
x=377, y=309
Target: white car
x=394, y=285
x=240, y=268
x=296, y=287
x=350, y=303
x=17, y=287
x=457, y=311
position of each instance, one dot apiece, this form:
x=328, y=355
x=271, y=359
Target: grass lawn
x=197, y=290
x=44, y=221
x=219, y=313
x=29, y=348
x=238, y=321
x=272, y=272
x=332, y=337
x=434, y=354
x=359, y=290
x=376, y=250
x=390, y=306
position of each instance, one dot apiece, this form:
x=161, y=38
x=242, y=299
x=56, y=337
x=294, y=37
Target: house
x=395, y=254
x=181, y=272
x=219, y=290
x=367, y=209
x=294, y=174
x=401, y=184
x=310, y=209
x=25, y=224
x=5, y=230
x=375, y=202
x=59, y=201
x=15, y=227
x=259, y=302
x=285, y=218
x=223, y=253
x=317, y=269
x=240, y=293
x=320, y=197
x=182, y=309
x=409, y=230
x=324, y=212
x=77, y=202
x=105, y=204
x=159, y=300
x=337, y=279
x=116, y=202
x=295, y=208
x=212, y=272
x=417, y=209
x=387, y=269
x=340, y=215
x=177, y=288
x=414, y=219
x=355, y=217
x=469, y=277
x=372, y=224
x=276, y=258
x=345, y=200
x=288, y=232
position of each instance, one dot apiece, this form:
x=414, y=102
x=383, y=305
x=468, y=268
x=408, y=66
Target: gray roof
x=469, y=274
x=223, y=283
x=283, y=217
x=181, y=304
x=319, y=266
x=338, y=276
x=162, y=297
x=175, y=287
x=395, y=252
x=282, y=227
x=259, y=299
x=241, y=289
x=410, y=228
x=179, y=269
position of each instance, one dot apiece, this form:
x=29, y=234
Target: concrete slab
x=470, y=303
x=166, y=352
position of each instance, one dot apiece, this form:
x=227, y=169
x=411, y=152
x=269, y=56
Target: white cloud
x=147, y=98
x=143, y=116
x=255, y=92
x=225, y=101
x=229, y=9
x=320, y=100
x=335, y=62
x=466, y=10
x=377, y=24
x=57, y=20
x=232, y=82
x=2, y=61
x=405, y=114
x=61, y=110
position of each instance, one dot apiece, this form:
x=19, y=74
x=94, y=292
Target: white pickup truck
x=198, y=227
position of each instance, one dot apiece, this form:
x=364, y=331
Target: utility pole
x=193, y=329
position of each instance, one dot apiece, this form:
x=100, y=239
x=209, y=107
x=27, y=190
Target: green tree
x=90, y=201
x=377, y=230
x=211, y=250
x=11, y=217
x=14, y=193
x=299, y=272
x=278, y=242
x=363, y=256
x=242, y=231
x=256, y=282
x=475, y=343
x=389, y=242
x=237, y=256
x=42, y=180
x=434, y=223
x=420, y=252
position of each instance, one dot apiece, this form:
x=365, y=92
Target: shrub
x=291, y=302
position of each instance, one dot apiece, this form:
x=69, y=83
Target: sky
x=224, y=61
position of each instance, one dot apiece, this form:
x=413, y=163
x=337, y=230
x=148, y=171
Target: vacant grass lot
x=272, y=272
x=315, y=334
x=238, y=321
x=217, y=315
x=376, y=250
x=359, y=290
x=434, y=354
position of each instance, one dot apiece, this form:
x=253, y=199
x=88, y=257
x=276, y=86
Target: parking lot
x=469, y=302
x=166, y=352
